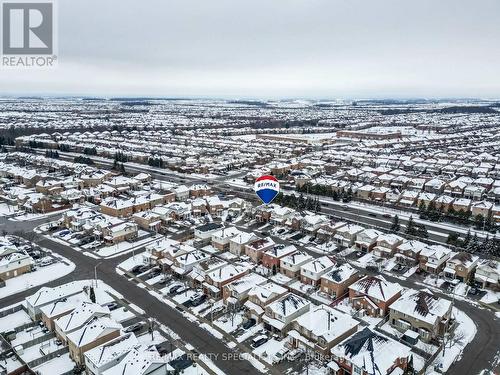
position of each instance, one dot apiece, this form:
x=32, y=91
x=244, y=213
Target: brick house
x=271, y=259
x=461, y=266
x=256, y=248
x=94, y=333
x=422, y=312
x=337, y=280
x=373, y=294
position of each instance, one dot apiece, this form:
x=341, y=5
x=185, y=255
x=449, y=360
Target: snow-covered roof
x=288, y=305
x=94, y=329
x=422, y=305
x=376, y=287
x=340, y=273
x=369, y=350
x=323, y=321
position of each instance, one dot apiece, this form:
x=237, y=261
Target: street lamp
x=95, y=273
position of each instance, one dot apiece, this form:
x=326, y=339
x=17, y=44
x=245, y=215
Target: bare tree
x=451, y=338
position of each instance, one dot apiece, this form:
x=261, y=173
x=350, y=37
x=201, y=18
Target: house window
x=357, y=370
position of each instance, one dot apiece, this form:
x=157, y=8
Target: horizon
x=280, y=49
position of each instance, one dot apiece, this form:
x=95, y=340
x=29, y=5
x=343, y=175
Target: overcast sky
x=272, y=48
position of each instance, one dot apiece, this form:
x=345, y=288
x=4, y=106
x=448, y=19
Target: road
x=187, y=331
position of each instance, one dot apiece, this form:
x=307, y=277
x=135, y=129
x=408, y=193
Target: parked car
x=281, y=355
x=199, y=301
x=294, y=354
x=249, y=323
x=182, y=289
x=175, y=288
x=164, y=280
x=112, y=306
x=181, y=363
x=64, y=233
x=133, y=328
x=259, y=341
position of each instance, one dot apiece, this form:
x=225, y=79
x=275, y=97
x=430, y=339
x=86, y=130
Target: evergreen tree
x=410, y=227
x=395, y=227
x=422, y=231
x=467, y=239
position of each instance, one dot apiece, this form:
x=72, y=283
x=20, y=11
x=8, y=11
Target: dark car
x=163, y=348
x=175, y=288
x=112, y=306
x=198, y=301
x=133, y=328
x=181, y=363
x=249, y=323
x=259, y=341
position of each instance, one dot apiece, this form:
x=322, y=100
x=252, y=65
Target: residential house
x=271, y=259
x=374, y=295
x=107, y=355
x=236, y=292
x=422, y=312
x=488, y=274
x=238, y=242
x=367, y=239
x=217, y=279
x=321, y=328
x=346, y=234
x=118, y=233
x=433, y=258
x=279, y=315
x=461, y=266
x=13, y=261
x=290, y=264
x=387, y=244
x=369, y=352
x=221, y=239
x=408, y=252
x=337, y=280
x=83, y=313
x=256, y=248
x=96, y=332
x=260, y=296
x=312, y=271
x=184, y=263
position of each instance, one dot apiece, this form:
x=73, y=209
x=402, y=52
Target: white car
x=281, y=355
x=294, y=354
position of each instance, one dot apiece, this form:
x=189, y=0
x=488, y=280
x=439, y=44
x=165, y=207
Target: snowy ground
x=58, y=365
x=122, y=247
x=268, y=351
x=41, y=276
x=7, y=209
x=464, y=334
x=17, y=319
x=229, y=323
